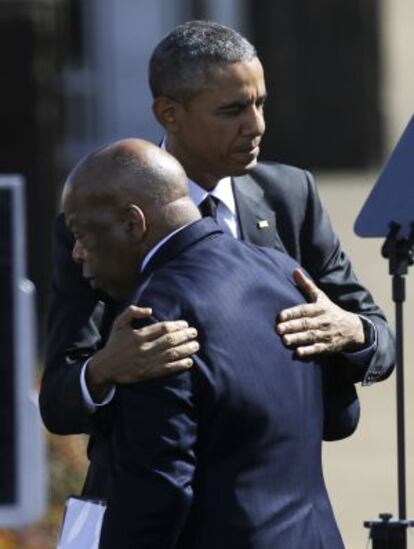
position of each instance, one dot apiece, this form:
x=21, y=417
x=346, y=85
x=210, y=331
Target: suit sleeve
x=74, y=334
x=325, y=260
x=154, y=444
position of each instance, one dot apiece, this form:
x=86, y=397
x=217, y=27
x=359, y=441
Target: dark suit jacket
x=227, y=455
x=287, y=198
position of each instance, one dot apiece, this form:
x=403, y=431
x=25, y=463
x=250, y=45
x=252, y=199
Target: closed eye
x=233, y=110
x=260, y=103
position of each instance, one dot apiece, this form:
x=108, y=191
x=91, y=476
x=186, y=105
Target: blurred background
x=74, y=76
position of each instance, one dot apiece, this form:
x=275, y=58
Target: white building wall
x=123, y=35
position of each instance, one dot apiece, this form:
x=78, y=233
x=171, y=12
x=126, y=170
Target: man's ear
x=167, y=112
x=135, y=223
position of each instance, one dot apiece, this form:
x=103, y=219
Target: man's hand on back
x=132, y=355
x=319, y=326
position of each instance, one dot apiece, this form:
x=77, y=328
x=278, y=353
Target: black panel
x=31, y=120
x=8, y=452
x=321, y=62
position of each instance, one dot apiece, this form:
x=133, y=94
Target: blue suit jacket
x=228, y=454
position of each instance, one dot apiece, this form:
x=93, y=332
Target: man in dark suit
x=209, y=91
x=227, y=454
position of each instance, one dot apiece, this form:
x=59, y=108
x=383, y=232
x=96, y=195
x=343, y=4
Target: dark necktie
x=208, y=207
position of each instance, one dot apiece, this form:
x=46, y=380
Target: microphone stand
x=389, y=533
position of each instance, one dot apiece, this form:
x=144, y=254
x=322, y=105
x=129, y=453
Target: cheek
x=102, y=255
x=218, y=144
x=119, y=255
x=210, y=136
x=228, y=134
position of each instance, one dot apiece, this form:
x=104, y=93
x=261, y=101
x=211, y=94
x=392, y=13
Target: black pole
x=389, y=533
x=399, y=297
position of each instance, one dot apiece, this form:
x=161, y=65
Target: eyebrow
x=242, y=103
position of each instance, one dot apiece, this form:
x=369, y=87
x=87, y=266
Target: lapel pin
x=263, y=224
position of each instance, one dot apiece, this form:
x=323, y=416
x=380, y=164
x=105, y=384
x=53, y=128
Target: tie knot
x=208, y=207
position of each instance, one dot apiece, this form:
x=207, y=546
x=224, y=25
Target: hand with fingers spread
x=132, y=355
x=319, y=326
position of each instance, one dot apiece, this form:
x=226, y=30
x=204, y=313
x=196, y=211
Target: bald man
x=228, y=453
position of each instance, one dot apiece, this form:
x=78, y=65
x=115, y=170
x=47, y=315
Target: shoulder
x=286, y=189
x=282, y=179
x=267, y=169
x=165, y=290
x=276, y=184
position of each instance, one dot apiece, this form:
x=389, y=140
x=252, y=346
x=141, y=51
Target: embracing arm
x=331, y=322
x=79, y=325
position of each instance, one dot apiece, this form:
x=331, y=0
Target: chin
x=251, y=164
x=244, y=168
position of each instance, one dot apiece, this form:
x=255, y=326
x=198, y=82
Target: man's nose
x=254, y=123
x=78, y=253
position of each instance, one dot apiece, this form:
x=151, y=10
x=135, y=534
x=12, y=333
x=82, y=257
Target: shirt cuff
x=364, y=355
x=87, y=399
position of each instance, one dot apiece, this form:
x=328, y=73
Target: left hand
x=320, y=326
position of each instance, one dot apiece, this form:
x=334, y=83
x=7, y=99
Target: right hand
x=132, y=355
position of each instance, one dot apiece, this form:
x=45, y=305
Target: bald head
x=119, y=202
x=129, y=171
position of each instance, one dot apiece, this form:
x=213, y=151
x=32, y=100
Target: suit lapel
x=256, y=220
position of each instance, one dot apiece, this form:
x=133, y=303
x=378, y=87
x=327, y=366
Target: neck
x=172, y=217
x=205, y=179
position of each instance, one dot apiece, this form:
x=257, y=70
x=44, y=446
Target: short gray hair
x=182, y=61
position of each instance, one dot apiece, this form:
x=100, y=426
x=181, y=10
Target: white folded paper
x=82, y=523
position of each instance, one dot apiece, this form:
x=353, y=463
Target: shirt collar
x=157, y=246
x=222, y=191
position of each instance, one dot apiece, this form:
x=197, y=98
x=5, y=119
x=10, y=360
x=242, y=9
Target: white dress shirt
x=226, y=204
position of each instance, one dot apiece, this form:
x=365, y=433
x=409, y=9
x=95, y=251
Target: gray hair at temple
x=182, y=62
